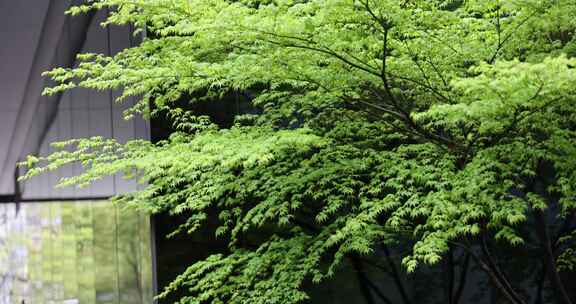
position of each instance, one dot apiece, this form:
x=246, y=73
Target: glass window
x=74, y=252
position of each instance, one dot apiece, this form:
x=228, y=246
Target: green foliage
x=429, y=123
x=567, y=257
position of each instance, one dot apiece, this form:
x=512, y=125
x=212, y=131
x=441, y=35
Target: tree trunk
x=549, y=260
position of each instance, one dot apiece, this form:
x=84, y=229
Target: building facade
x=64, y=245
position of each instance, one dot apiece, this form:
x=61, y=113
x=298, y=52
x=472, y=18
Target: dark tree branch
x=437, y=71
x=538, y=186
x=497, y=271
x=423, y=86
x=362, y=280
x=315, y=46
x=406, y=116
x=502, y=41
x=378, y=292
x=540, y=283
x=416, y=60
x=462, y=282
x=518, y=117
x=451, y=276
x=549, y=259
x=498, y=28
x=383, y=69
x=379, y=19
x=493, y=272
x=383, y=74
x=396, y=275
x=327, y=52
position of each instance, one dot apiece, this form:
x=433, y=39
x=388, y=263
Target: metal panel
x=86, y=113
x=24, y=140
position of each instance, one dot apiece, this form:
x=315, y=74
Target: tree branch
x=549, y=259
x=378, y=292
x=325, y=51
x=362, y=280
x=462, y=282
x=451, y=276
x=498, y=281
x=502, y=42
x=502, y=279
x=541, y=279
x=396, y=275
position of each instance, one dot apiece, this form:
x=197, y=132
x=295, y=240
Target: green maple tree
x=442, y=128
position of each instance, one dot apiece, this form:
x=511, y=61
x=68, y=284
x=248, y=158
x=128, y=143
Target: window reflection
x=74, y=252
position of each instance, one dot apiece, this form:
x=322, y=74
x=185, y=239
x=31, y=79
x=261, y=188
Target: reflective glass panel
x=74, y=252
